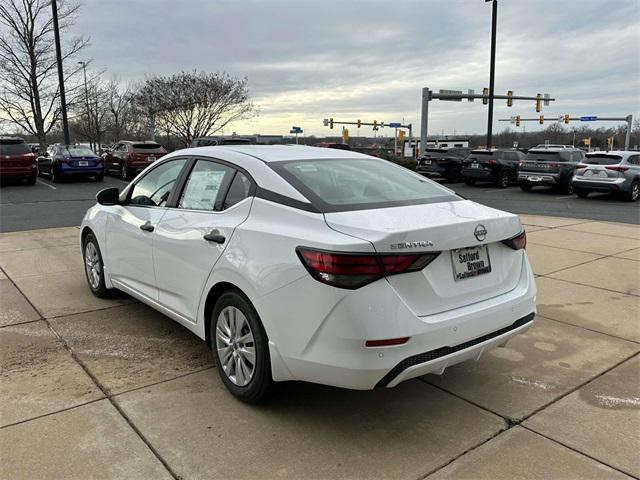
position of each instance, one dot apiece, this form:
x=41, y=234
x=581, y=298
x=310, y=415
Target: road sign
x=395, y=125
x=453, y=92
x=589, y=118
x=295, y=130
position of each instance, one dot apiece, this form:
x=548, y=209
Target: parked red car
x=16, y=160
x=127, y=158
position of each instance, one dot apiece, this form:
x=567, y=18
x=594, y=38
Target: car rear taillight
x=617, y=168
x=518, y=242
x=354, y=270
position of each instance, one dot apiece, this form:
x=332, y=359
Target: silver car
x=613, y=172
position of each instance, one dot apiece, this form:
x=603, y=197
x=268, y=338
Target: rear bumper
x=432, y=171
x=614, y=185
x=533, y=178
x=334, y=352
x=18, y=172
x=80, y=171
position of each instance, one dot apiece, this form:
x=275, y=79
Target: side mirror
x=109, y=196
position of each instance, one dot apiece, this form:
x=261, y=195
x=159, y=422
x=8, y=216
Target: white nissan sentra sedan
x=305, y=263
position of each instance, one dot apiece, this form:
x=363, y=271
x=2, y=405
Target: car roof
x=10, y=139
x=621, y=153
x=276, y=153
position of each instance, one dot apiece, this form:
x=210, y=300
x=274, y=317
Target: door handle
x=214, y=236
x=147, y=227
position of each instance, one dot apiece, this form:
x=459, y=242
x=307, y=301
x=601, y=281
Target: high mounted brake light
x=354, y=270
x=518, y=242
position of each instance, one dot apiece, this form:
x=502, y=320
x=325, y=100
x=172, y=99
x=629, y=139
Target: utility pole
x=86, y=97
x=492, y=71
x=63, y=101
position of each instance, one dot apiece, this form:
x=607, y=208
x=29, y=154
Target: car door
x=131, y=229
x=190, y=238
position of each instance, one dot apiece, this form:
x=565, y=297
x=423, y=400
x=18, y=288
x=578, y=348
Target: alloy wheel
x=236, y=346
x=635, y=191
x=124, y=172
x=92, y=265
x=504, y=180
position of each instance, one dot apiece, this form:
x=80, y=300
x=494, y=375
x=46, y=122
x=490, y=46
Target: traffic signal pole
x=63, y=102
x=492, y=73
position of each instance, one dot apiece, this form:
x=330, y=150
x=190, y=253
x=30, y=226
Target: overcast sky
x=307, y=60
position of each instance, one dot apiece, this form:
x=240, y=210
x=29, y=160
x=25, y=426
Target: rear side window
x=154, y=188
x=356, y=184
x=14, y=149
x=205, y=186
x=238, y=191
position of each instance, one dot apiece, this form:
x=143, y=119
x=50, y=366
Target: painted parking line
x=46, y=184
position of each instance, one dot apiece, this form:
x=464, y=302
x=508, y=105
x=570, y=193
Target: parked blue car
x=64, y=161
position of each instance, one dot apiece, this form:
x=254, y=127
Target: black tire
x=52, y=174
x=503, y=179
x=99, y=289
x=99, y=177
x=567, y=189
x=32, y=179
x=260, y=385
x=124, y=172
x=454, y=176
x=470, y=181
x=581, y=192
x=525, y=187
x=634, y=192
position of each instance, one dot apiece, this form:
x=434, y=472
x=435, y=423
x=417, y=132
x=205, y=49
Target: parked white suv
x=303, y=263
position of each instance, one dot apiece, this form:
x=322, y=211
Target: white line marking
x=46, y=184
x=566, y=196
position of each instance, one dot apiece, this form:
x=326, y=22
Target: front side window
x=154, y=188
x=359, y=183
x=205, y=186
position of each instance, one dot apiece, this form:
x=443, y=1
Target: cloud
x=307, y=60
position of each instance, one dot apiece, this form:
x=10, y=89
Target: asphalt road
x=46, y=205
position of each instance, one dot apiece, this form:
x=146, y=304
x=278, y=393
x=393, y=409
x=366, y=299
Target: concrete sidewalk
x=96, y=388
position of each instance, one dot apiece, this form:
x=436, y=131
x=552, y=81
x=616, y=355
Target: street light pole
x=86, y=97
x=492, y=71
x=63, y=102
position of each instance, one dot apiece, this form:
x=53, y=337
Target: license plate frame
x=151, y=158
x=534, y=179
x=481, y=266
x=426, y=162
x=475, y=165
x=83, y=163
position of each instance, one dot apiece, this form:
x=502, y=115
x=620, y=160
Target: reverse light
x=518, y=242
x=354, y=270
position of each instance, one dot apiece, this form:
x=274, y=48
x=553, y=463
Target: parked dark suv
x=442, y=163
x=127, y=158
x=552, y=166
x=16, y=160
x=496, y=166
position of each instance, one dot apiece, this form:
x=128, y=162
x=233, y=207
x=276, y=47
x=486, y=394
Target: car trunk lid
x=444, y=227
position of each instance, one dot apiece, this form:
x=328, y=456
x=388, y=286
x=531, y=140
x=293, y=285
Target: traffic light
x=517, y=120
x=610, y=143
x=359, y=123
x=538, y=103
x=541, y=119
x=345, y=135
x=566, y=118
x=375, y=124
x=510, y=98
x=331, y=123
x=401, y=135
x=485, y=96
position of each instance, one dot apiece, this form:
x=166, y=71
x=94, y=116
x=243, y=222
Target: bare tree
x=194, y=104
x=120, y=107
x=29, y=91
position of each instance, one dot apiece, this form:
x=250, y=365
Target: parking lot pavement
x=47, y=205
x=112, y=389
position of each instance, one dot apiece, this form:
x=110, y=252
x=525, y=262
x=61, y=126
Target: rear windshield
x=14, y=148
x=602, y=159
x=435, y=152
x=358, y=184
x=481, y=152
x=147, y=146
x=77, y=151
x=548, y=156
